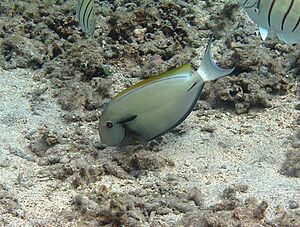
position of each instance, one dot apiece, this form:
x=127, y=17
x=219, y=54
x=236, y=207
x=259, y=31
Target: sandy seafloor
x=220, y=167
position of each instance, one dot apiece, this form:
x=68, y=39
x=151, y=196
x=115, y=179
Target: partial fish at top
x=85, y=13
x=280, y=16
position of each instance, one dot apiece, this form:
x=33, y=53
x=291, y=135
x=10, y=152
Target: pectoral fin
x=131, y=118
x=263, y=33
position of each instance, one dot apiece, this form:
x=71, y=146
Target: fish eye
x=256, y=10
x=109, y=124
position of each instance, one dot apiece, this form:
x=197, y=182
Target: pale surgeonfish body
x=85, y=13
x=156, y=105
x=280, y=16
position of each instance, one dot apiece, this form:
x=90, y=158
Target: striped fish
x=280, y=16
x=85, y=13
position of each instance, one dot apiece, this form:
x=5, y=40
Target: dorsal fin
x=170, y=73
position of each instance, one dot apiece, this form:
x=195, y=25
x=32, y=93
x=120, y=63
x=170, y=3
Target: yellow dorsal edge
x=186, y=67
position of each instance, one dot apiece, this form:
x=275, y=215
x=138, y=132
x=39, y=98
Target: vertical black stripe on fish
x=85, y=22
x=258, y=5
x=286, y=14
x=79, y=11
x=297, y=24
x=88, y=17
x=270, y=12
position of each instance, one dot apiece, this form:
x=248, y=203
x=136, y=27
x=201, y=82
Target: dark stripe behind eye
x=270, y=12
x=297, y=24
x=258, y=4
x=286, y=14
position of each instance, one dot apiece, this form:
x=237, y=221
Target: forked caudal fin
x=208, y=69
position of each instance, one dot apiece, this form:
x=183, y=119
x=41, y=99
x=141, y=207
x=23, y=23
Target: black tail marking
x=192, y=86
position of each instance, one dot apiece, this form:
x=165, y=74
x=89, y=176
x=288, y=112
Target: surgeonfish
x=154, y=106
x=280, y=16
x=85, y=13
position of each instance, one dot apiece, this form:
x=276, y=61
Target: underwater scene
x=149, y=113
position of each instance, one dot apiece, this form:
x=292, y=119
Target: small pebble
x=223, y=167
x=208, y=128
x=293, y=204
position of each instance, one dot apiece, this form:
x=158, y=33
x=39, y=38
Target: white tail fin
x=208, y=69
